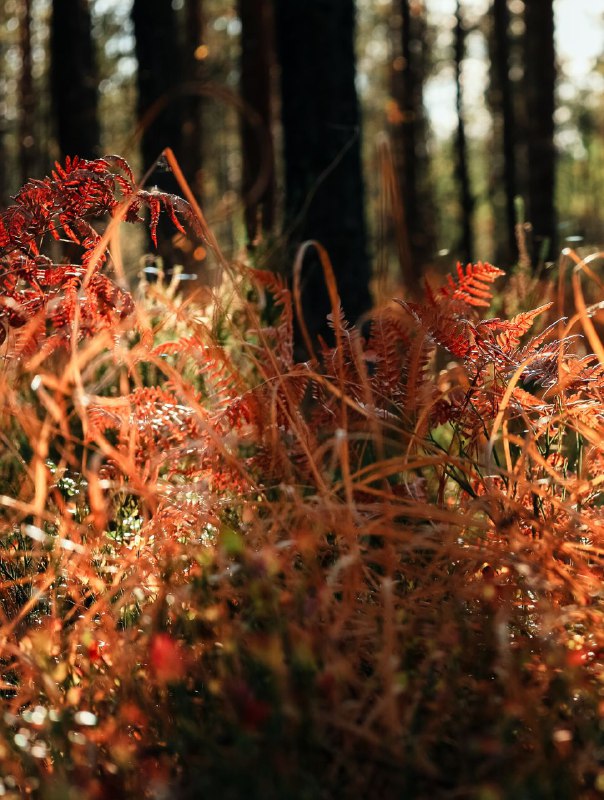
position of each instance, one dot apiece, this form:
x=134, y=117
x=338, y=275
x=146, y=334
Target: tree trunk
x=540, y=82
x=258, y=183
x=410, y=134
x=27, y=100
x=192, y=131
x=466, y=246
x=504, y=117
x=160, y=105
x=159, y=77
x=74, y=79
x=321, y=132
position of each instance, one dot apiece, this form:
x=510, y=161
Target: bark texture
x=322, y=136
x=74, y=79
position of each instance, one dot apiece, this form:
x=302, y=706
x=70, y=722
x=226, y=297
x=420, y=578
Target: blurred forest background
x=400, y=134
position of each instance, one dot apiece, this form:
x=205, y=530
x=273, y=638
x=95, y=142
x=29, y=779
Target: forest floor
x=374, y=573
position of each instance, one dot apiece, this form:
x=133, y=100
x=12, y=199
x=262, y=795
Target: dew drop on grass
x=85, y=718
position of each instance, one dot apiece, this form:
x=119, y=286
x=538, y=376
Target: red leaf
x=166, y=658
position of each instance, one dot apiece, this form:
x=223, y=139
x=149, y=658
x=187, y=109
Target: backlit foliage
x=377, y=573
x=49, y=298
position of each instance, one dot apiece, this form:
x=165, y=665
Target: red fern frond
x=64, y=206
x=448, y=329
x=387, y=351
x=282, y=334
x=420, y=352
x=473, y=284
x=508, y=333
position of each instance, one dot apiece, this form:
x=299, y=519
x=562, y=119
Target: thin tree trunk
x=27, y=100
x=540, y=81
x=4, y=172
x=6, y=175
x=258, y=183
x=321, y=131
x=160, y=103
x=74, y=79
x=192, y=129
x=505, y=123
x=410, y=111
x=462, y=171
x=410, y=133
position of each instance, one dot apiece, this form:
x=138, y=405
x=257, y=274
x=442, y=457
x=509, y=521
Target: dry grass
x=224, y=572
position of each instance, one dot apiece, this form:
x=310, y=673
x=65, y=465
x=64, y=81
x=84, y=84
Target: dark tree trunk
x=192, y=132
x=466, y=246
x=159, y=77
x=410, y=135
x=161, y=103
x=321, y=131
x=74, y=79
x=502, y=102
x=540, y=82
x=5, y=177
x=27, y=100
x=258, y=183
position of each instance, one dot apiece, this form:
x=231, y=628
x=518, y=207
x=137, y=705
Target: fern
x=473, y=284
x=255, y=538
x=64, y=206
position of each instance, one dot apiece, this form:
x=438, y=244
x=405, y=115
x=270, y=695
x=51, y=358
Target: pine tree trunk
x=321, y=132
x=159, y=77
x=192, y=128
x=540, y=81
x=258, y=184
x=74, y=79
x=410, y=134
x=160, y=105
x=502, y=102
x=466, y=246
x=27, y=100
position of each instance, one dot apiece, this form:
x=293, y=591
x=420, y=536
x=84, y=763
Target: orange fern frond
x=63, y=205
x=280, y=335
x=446, y=328
x=508, y=333
x=473, y=284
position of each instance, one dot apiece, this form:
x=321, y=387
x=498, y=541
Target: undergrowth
x=377, y=573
